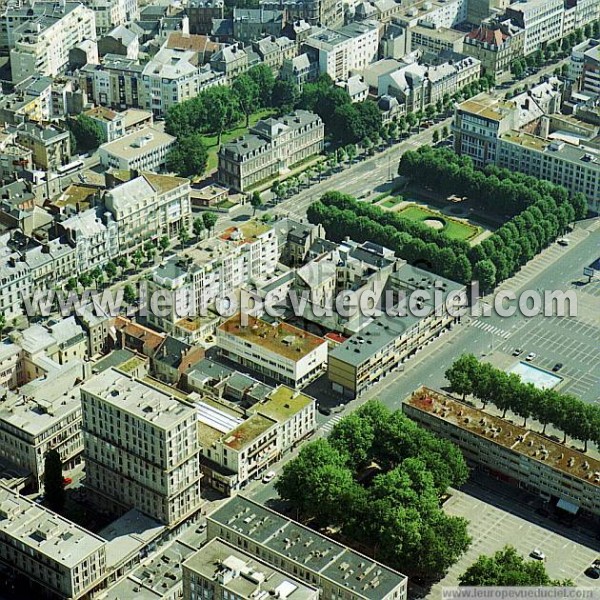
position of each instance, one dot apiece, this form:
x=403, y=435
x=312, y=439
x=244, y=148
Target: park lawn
x=211, y=140
x=452, y=227
x=391, y=202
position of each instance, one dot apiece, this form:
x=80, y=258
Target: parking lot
x=492, y=527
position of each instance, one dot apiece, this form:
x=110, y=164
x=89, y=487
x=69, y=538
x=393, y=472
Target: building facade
x=272, y=147
x=141, y=447
x=542, y=21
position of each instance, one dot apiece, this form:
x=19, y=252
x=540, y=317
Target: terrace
x=284, y=403
x=248, y=431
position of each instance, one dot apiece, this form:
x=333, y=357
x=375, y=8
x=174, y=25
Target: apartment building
x=148, y=207
x=334, y=569
x=94, y=236
x=590, y=77
x=48, y=549
x=117, y=82
x=296, y=239
x=574, y=166
x=250, y=24
x=112, y=13
x=520, y=456
x=212, y=271
x=326, y=13
x=274, y=52
x=51, y=146
x=438, y=13
x=231, y=61
x=542, y=21
x=173, y=76
x=15, y=282
x=388, y=340
x=241, y=438
x=300, y=70
x=272, y=147
x=345, y=50
x=201, y=14
x=225, y=572
x=141, y=447
x=434, y=39
x=121, y=41
x=480, y=121
x=496, y=46
x=143, y=150
x=109, y=121
x=41, y=44
x=280, y=351
x=42, y=415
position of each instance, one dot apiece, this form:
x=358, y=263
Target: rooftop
x=246, y=232
x=139, y=398
x=500, y=431
x=487, y=107
x=44, y=531
x=248, y=431
x=283, y=339
x=308, y=548
x=144, y=141
x=283, y=403
x=249, y=576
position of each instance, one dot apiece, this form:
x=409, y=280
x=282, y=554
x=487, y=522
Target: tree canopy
x=87, y=133
x=188, y=157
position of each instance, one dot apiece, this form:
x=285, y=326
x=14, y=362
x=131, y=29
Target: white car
x=268, y=476
x=537, y=554
x=530, y=356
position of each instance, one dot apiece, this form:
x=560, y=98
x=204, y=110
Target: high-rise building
x=542, y=21
x=141, y=447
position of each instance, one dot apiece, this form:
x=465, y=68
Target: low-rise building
x=143, y=150
x=283, y=543
x=272, y=147
x=280, y=351
x=250, y=24
x=108, y=120
x=141, y=447
x=48, y=549
x=557, y=472
x=227, y=572
x=300, y=70
x=231, y=61
x=439, y=13
x=388, y=340
x=50, y=145
x=274, y=51
x=121, y=41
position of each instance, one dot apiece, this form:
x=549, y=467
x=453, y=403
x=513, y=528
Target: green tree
x=110, y=269
x=507, y=568
x=462, y=374
x=85, y=280
x=286, y=95
x=198, y=227
x=71, y=284
x=263, y=77
x=430, y=111
x=256, y=200
x=210, y=220
x=247, y=93
x=484, y=271
x=516, y=69
x=411, y=119
x=54, y=488
x=222, y=110
x=184, y=236
x=129, y=295
x=579, y=203
x=445, y=132
x=137, y=259
x=188, y=157
x=354, y=436
x=87, y=132
x=164, y=243
x=436, y=136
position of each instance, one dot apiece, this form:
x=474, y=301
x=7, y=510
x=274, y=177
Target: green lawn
x=211, y=140
x=391, y=202
x=452, y=227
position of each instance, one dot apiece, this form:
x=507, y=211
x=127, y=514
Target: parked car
x=518, y=352
x=537, y=554
x=592, y=572
x=324, y=410
x=40, y=499
x=557, y=367
x=269, y=476
x=67, y=481
x=531, y=356
x=562, y=242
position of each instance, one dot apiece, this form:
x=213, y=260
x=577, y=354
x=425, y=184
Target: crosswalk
x=327, y=427
x=489, y=328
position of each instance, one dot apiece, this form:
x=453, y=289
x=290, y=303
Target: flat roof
x=139, y=398
x=310, y=549
x=487, y=107
x=499, y=431
x=245, y=433
x=283, y=403
x=44, y=531
x=143, y=141
x=246, y=232
x=250, y=575
x=282, y=338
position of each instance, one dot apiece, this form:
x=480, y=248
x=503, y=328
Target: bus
x=70, y=167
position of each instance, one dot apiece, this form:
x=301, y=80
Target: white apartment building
x=94, y=236
x=41, y=44
x=346, y=50
x=15, y=281
x=238, y=445
x=48, y=549
x=214, y=270
x=222, y=572
x=282, y=352
x=143, y=150
x=542, y=21
x=440, y=13
x=43, y=415
x=172, y=76
x=112, y=13
x=575, y=167
x=577, y=60
x=149, y=207
x=141, y=447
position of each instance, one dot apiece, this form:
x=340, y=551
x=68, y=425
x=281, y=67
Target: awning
x=568, y=506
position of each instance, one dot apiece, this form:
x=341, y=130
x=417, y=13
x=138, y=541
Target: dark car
x=593, y=572
x=324, y=410
x=557, y=367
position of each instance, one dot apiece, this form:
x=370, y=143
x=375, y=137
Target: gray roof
x=124, y=35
